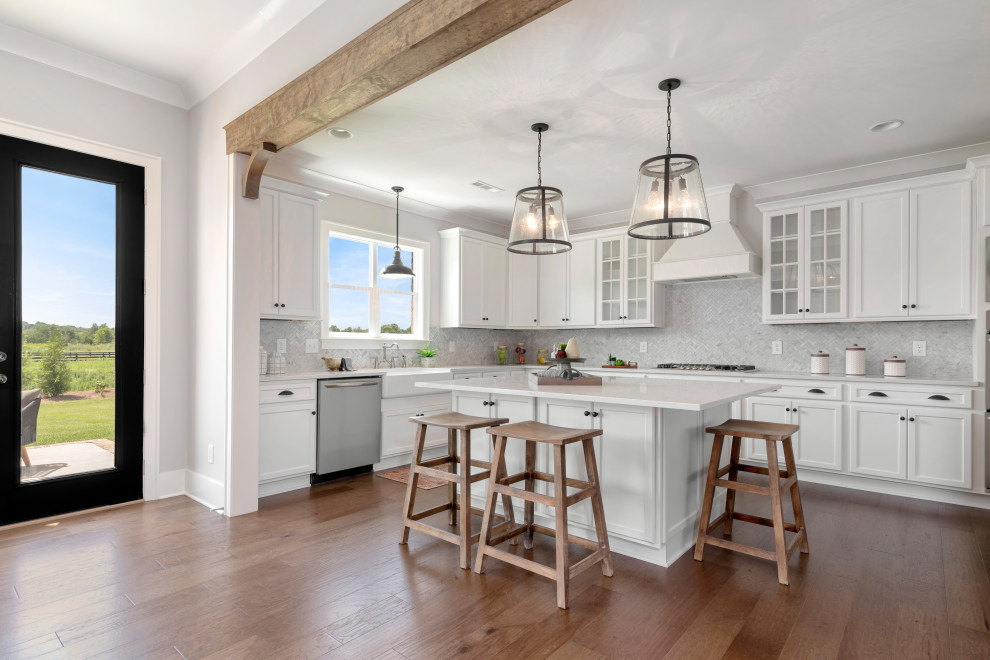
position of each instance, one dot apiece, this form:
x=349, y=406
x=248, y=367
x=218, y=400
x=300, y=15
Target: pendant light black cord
x=668, y=121
x=397, y=219
x=539, y=158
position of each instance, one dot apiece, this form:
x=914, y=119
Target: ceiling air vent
x=487, y=186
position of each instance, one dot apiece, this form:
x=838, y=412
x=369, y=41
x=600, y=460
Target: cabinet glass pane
x=818, y=221
x=832, y=301
x=833, y=218
x=817, y=248
x=776, y=303
x=776, y=226
x=791, y=224
x=777, y=252
x=818, y=274
x=790, y=277
x=833, y=272
x=834, y=246
x=790, y=302
x=776, y=277
x=817, y=301
x=791, y=251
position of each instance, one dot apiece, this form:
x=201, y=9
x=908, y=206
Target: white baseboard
x=171, y=483
x=283, y=485
x=392, y=462
x=205, y=490
x=916, y=491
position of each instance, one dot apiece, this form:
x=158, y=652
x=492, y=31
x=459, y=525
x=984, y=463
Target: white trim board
x=152, y=273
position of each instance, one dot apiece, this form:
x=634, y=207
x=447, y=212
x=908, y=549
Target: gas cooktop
x=707, y=367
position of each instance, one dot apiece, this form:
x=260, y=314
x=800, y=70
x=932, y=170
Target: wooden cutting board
x=612, y=366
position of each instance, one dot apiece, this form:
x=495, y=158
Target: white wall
x=51, y=99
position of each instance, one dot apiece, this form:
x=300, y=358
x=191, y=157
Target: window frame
x=420, y=293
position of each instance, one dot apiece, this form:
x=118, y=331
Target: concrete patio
x=61, y=460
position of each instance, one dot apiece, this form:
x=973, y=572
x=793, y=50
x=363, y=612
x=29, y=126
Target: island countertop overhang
x=674, y=395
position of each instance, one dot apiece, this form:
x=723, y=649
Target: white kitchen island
x=652, y=455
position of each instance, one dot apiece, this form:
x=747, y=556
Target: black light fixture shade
x=539, y=225
x=397, y=269
x=670, y=198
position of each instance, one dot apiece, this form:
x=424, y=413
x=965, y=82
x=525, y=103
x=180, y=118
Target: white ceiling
x=176, y=51
x=773, y=89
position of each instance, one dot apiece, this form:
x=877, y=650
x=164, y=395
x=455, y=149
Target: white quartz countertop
x=323, y=373
x=655, y=393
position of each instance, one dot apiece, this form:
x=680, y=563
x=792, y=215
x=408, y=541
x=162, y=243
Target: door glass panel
x=833, y=272
x=817, y=248
x=818, y=221
x=68, y=307
x=833, y=218
x=777, y=252
x=776, y=277
x=791, y=224
x=790, y=277
x=832, y=301
x=790, y=302
x=791, y=250
x=817, y=301
x=776, y=226
x=834, y=246
x=777, y=303
x=818, y=274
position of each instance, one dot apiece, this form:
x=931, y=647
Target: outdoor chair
x=30, y=403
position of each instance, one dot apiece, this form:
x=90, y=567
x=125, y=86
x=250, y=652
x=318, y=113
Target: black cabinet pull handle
x=816, y=391
x=587, y=413
x=938, y=397
x=881, y=394
x=286, y=393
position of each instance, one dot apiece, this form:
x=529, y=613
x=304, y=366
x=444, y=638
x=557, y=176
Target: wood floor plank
x=966, y=587
x=968, y=644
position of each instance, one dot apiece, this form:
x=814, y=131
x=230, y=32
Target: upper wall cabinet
x=627, y=295
x=804, y=265
x=567, y=286
x=905, y=253
x=289, y=258
x=473, y=279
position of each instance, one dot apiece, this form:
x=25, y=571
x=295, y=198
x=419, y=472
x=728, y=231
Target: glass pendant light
x=538, y=222
x=670, y=200
x=397, y=269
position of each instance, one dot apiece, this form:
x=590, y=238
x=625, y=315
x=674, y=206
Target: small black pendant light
x=670, y=199
x=397, y=269
x=539, y=225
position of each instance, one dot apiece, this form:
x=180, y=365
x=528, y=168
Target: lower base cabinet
x=818, y=443
x=287, y=440
x=398, y=433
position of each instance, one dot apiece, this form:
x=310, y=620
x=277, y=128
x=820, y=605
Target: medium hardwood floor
x=318, y=573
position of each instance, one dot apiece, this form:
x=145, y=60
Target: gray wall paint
x=706, y=322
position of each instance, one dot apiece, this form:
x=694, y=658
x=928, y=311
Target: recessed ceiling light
x=341, y=133
x=888, y=125
x=487, y=186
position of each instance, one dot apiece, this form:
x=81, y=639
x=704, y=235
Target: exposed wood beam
x=251, y=183
x=417, y=39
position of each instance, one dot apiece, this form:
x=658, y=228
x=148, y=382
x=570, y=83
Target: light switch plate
x=642, y=347
x=312, y=345
x=777, y=347
x=919, y=348
x=280, y=346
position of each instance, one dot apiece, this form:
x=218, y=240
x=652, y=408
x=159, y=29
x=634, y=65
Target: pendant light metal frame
x=540, y=199
x=668, y=167
x=397, y=269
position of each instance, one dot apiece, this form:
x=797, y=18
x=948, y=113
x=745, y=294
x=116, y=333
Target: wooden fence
x=75, y=356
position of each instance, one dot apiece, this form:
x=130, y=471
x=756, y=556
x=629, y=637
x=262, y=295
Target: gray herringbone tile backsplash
x=706, y=322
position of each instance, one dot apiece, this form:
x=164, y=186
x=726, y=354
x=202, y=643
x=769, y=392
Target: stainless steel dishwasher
x=349, y=426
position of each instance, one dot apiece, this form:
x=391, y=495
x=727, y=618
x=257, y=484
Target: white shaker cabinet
x=627, y=295
x=398, y=433
x=939, y=447
x=522, y=282
x=567, y=287
x=287, y=433
x=289, y=259
x=912, y=253
x=473, y=279
x=818, y=443
x=878, y=441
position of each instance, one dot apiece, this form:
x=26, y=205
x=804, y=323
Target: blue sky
x=350, y=263
x=68, y=249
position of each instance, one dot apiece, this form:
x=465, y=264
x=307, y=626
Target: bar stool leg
x=452, y=468
x=410, y=502
x=597, y=508
x=706, y=505
x=529, y=507
x=730, y=496
x=795, y=495
x=487, y=519
x=778, y=512
x=560, y=509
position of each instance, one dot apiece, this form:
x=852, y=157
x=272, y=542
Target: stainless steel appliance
x=707, y=367
x=986, y=402
x=349, y=426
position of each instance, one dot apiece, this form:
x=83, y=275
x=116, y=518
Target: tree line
x=41, y=333
x=387, y=329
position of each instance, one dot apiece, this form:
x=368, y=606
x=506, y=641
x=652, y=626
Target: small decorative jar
x=819, y=363
x=521, y=352
x=895, y=367
x=501, y=355
x=262, y=361
x=541, y=356
x=276, y=364
x=855, y=360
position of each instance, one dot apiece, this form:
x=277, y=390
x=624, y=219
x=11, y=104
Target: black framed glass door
x=71, y=330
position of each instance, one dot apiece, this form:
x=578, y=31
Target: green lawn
x=69, y=421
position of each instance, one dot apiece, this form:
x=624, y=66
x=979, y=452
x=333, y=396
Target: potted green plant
x=427, y=356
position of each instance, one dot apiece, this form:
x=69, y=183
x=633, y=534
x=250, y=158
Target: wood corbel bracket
x=251, y=183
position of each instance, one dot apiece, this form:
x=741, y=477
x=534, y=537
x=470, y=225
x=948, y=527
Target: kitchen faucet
x=390, y=361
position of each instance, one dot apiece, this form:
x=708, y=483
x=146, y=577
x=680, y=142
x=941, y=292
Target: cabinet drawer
x=467, y=374
x=919, y=396
x=288, y=392
x=826, y=391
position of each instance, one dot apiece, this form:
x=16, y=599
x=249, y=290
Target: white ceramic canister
x=895, y=367
x=855, y=360
x=819, y=363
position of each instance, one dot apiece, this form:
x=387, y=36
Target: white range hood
x=719, y=254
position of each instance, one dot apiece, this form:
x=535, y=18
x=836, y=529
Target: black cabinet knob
x=282, y=305
x=313, y=413
x=911, y=419
x=276, y=304
x=913, y=306
x=902, y=419
x=587, y=413
x=595, y=414
x=903, y=306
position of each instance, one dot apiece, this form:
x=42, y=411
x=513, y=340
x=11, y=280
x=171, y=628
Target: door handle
x=816, y=391
x=369, y=383
x=3, y=379
x=286, y=393
x=881, y=394
x=938, y=397
x=3, y=356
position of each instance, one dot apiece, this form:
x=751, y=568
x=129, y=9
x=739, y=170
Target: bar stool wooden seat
x=500, y=483
x=771, y=433
x=460, y=511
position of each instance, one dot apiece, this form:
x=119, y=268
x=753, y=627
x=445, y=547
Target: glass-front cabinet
x=804, y=269
x=624, y=281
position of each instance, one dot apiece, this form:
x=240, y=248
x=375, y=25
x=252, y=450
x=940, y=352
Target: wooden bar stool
x=460, y=511
x=501, y=484
x=772, y=434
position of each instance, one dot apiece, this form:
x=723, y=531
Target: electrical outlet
x=209, y=453
x=450, y=347
x=642, y=347
x=777, y=347
x=919, y=348
x=280, y=346
x=312, y=345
